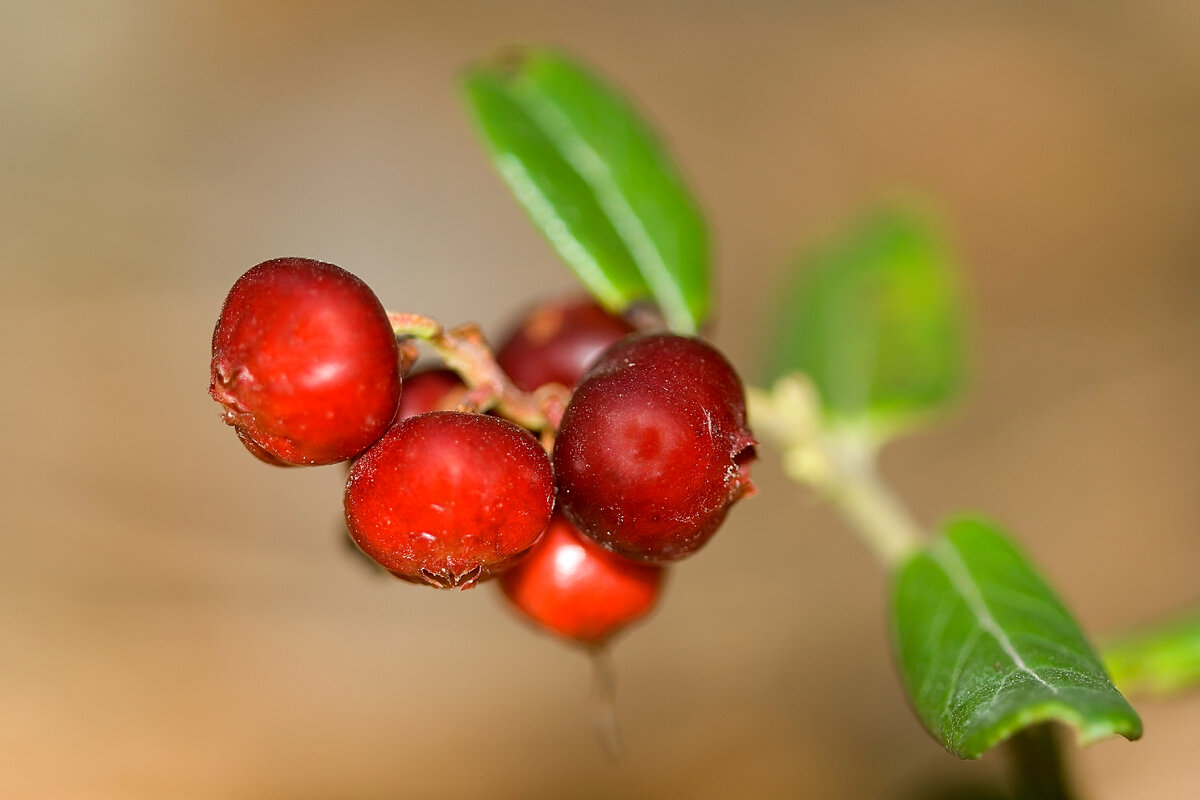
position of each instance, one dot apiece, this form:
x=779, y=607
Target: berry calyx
x=304, y=362
x=653, y=448
x=571, y=587
x=449, y=498
x=557, y=341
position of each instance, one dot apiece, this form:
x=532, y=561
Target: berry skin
x=432, y=390
x=653, y=448
x=571, y=587
x=450, y=498
x=557, y=341
x=305, y=363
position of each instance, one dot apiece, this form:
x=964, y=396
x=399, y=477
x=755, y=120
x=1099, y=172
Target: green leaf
x=1161, y=661
x=986, y=649
x=875, y=321
x=596, y=181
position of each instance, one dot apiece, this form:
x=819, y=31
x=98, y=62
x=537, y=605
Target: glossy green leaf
x=1160, y=661
x=986, y=649
x=596, y=181
x=875, y=321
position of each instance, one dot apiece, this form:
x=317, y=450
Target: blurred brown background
x=177, y=620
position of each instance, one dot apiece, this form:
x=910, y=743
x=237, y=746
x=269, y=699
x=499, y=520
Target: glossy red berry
x=432, y=390
x=653, y=448
x=557, y=342
x=571, y=587
x=449, y=498
x=304, y=362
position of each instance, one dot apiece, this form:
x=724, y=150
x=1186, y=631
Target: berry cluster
x=643, y=439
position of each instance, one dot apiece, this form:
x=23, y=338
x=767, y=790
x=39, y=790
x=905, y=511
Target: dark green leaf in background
x=875, y=321
x=986, y=649
x=596, y=181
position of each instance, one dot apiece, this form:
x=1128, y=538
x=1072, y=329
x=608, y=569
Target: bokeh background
x=177, y=620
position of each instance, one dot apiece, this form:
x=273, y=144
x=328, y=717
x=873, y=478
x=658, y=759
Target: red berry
x=558, y=341
x=433, y=390
x=305, y=363
x=575, y=589
x=653, y=448
x=449, y=498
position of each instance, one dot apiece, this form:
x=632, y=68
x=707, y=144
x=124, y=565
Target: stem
x=868, y=503
x=1038, y=767
x=464, y=350
x=604, y=702
x=840, y=464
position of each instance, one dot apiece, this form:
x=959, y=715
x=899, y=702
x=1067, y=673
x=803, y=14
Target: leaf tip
x=507, y=61
x=1128, y=726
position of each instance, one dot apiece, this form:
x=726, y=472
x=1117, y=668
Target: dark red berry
x=653, y=448
x=571, y=587
x=305, y=363
x=432, y=390
x=449, y=498
x=557, y=341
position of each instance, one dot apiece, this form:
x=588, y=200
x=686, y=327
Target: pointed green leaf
x=596, y=181
x=875, y=322
x=1160, y=661
x=986, y=649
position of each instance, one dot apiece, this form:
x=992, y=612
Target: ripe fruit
x=653, y=448
x=432, y=390
x=572, y=587
x=304, y=362
x=558, y=341
x=449, y=498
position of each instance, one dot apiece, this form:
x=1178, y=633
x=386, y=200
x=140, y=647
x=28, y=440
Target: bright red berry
x=305, y=363
x=557, y=341
x=432, y=390
x=653, y=448
x=450, y=498
x=571, y=587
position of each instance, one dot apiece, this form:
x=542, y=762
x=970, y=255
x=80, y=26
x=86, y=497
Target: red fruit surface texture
x=449, y=498
x=304, y=362
x=653, y=448
x=571, y=587
x=557, y=342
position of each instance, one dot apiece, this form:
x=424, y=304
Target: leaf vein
x=959, y=575
x=573, y=146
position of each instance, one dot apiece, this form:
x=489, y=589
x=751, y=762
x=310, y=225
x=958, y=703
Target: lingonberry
x=557, y=341
x=432, y=390
x=571, y=587
x=305, y=363
x=653, y=448
x=449, y=498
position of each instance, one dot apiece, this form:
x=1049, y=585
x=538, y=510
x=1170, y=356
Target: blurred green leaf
x=986, y=649
x=875, y=321
x=1161, y=661
x=596, y=181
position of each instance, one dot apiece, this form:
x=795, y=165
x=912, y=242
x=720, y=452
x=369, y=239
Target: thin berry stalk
x=464, y=350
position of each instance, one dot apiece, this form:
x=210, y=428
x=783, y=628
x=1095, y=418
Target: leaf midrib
x=950, y=561
x=641, y=246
